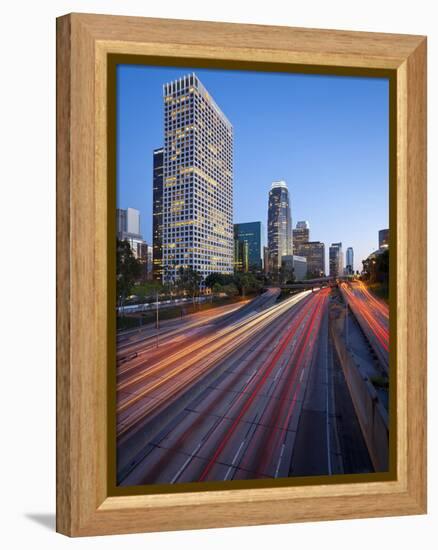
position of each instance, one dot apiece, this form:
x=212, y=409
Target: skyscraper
x=349, y=261
x=279, y=224
x=198, y=181
x=252, y=233
x=314, y=252
x=300, y=235
x=383, y=238
x=157, y=216
x=336, y=260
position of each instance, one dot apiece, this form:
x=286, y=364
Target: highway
x=372, y=315
x=231, y=396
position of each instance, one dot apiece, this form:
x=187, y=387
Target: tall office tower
x=279, y=224
x=198, y=181
x=349, y=261
x=336, y=260
x=121, y=222
x=300, y=234
x=314, y=252
x=383, y=238
x=251, y=233
x=157, y=214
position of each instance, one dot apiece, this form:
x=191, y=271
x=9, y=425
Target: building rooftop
x=279, y=183
x=191, y=80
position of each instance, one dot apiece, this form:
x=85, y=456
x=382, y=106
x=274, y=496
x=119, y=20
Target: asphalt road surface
x=241, y=394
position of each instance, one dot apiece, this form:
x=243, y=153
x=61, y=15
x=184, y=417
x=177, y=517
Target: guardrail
x=372, y=416
x=383, y=360
x=152, y=305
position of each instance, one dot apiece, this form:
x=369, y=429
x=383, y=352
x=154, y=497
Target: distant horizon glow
x=327, y=137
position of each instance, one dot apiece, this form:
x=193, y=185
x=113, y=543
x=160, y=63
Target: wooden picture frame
x=85, y=506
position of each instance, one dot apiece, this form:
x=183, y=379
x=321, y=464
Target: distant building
x=314, y=252
x=383, y=238
x=252, y=233
x=157, y=214
x=241, y=256
x=300, y=268
x=279, y=224
x=150, y=264
x=300, y=235
x=121, y=221
x=133, y=221
x=294, y=267
x=349, y=261
x=128, y=229
x=336, y=263
x=198, y=181
x=266, y=266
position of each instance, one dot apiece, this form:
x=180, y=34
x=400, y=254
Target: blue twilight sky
x=327, y=136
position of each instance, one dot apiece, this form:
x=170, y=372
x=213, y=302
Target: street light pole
x=346, y=322
x=157, y=321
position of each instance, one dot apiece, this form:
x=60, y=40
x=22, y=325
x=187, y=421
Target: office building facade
x=266, y=266
x=157, y=214
x=383, y=238
x=251, y=233
x=314, y=252
x=300, y=235
x=241, y=256
x=349, y=261
x=294, y=268
x=279, y=224
x=121, y=222
x=336, y=263
x=198, y=182
x=128, y=229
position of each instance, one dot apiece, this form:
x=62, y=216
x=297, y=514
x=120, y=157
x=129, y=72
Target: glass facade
x=384, y=238
x=198, y=181
x=336, y=260
x=252, y=234
x=279, y=224
x=349, y=261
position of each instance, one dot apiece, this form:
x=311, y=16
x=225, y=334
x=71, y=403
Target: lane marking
x=279, y=460
x=329, y=460
x=183, y=467
x=234, y=460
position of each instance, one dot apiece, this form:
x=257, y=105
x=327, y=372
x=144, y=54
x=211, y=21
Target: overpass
x=314, y=283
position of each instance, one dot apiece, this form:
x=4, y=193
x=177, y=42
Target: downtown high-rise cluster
x=192, y=221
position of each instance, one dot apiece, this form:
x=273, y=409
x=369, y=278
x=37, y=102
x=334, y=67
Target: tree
x=128, y=270
x=189, y=281
x=246, y=282
x=230, y=289
x=218, y=278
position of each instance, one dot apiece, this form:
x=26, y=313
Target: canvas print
x=252, y=257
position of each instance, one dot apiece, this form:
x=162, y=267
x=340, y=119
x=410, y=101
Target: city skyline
x=330, y=220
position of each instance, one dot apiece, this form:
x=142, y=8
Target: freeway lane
x=372, y=315
x=243, y=423
x=143, y=390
